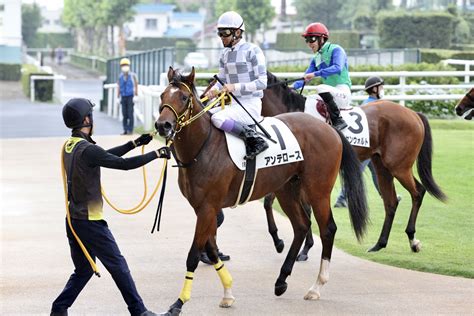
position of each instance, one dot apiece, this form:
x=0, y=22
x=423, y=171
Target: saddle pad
x=357, y=132
x=287, y=149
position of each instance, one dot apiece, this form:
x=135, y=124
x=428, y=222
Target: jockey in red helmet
x=329, y=63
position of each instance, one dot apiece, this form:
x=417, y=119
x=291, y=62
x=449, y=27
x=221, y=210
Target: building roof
x=182, y=32
x=153, y=8
x=194, y=16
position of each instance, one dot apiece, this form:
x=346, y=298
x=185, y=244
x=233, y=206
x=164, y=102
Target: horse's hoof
x=416, y=246
x=280, y=244
x=312, y=296
x=375, y=248
x=280, y=288
x=302, y=257
x=227, y=302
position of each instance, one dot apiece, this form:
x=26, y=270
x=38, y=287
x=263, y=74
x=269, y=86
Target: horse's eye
x=184, y=98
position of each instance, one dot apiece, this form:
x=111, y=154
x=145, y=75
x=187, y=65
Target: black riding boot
x=254, y=144
x=336, y=118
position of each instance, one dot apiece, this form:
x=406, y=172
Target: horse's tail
x=425, y=157
x=353, y=184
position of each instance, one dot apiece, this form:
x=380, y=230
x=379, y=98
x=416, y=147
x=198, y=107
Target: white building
x=160, y=20
x=51, y=21
x=10, y=32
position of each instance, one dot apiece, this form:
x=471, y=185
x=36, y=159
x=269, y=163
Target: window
x=57, y=22
x=151, y=24
x=46, y=22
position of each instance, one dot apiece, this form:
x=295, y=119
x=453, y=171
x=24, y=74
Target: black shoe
x=254, y=146
x=339, y=124
x=223, y=257
x=63, y=313
x=148, y=313
x=124, y=133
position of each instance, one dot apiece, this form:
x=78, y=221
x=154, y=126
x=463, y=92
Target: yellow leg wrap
x=188, y=284
x=224, y=274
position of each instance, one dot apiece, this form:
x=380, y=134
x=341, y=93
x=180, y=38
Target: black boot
x=336, y=118
x=254, y=144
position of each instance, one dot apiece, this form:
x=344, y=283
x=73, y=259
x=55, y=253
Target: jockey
x=329, y=63
x=242, y=68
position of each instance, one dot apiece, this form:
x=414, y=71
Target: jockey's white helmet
x=231, y=20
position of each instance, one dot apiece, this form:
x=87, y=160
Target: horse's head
x=466, y=105
x=176, y=103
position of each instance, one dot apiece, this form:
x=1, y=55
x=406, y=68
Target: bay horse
x=466, y=104
x=211, y=181
x=398, y=137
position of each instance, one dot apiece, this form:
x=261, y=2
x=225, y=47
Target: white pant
x=235, y=112
x=341, y=94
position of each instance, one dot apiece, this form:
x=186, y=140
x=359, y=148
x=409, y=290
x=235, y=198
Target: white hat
x=231, y=20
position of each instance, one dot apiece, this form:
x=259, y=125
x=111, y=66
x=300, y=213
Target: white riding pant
x=235, y=112
x=341, y=94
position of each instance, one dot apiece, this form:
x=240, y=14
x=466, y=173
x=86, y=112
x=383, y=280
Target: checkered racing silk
x=245, y=66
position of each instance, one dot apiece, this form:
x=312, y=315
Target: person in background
x=374, y=87
x=127, y=94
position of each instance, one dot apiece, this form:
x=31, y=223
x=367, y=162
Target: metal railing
x=147, y=65
x=146, y=109
x=89, y=62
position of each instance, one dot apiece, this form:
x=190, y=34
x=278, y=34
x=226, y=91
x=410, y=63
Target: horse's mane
x=294, y=101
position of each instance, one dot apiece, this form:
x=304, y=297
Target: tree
x=91, y=18
x=325, y=11
x=256, y=13
x=30, y=22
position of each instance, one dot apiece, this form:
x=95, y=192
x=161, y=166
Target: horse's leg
x=290, y=204
x=224, y=275
x=389, y=196
x=272, y=228
x=309, y=241
x=417, y=192
x=206, y=227
x=327, y=231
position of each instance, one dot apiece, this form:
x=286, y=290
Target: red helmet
x=316, y=29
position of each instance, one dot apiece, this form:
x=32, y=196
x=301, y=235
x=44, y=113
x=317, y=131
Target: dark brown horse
x=398, y=137
x=466, y=105
x=211, y=181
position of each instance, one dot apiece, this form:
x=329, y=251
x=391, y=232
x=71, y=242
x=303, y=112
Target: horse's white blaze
x=323, y=278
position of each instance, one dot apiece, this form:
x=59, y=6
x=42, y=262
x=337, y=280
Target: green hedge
x=292, y=41
x=43, y=40
x=148, y=43
x=415, y=30
x=10, y=72
x=434, y=56
x=43, y=88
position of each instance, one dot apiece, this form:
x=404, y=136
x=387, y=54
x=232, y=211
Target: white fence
x=146, y=111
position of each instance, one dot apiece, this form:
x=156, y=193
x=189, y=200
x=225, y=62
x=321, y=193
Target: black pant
x=99, y=241
x=127, y=113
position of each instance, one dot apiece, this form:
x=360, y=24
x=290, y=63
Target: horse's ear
x=170, y=74
x=190, y=78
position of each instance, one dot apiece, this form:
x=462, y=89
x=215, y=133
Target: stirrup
x=340, y=124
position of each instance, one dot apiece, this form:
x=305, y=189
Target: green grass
x=445, y=230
